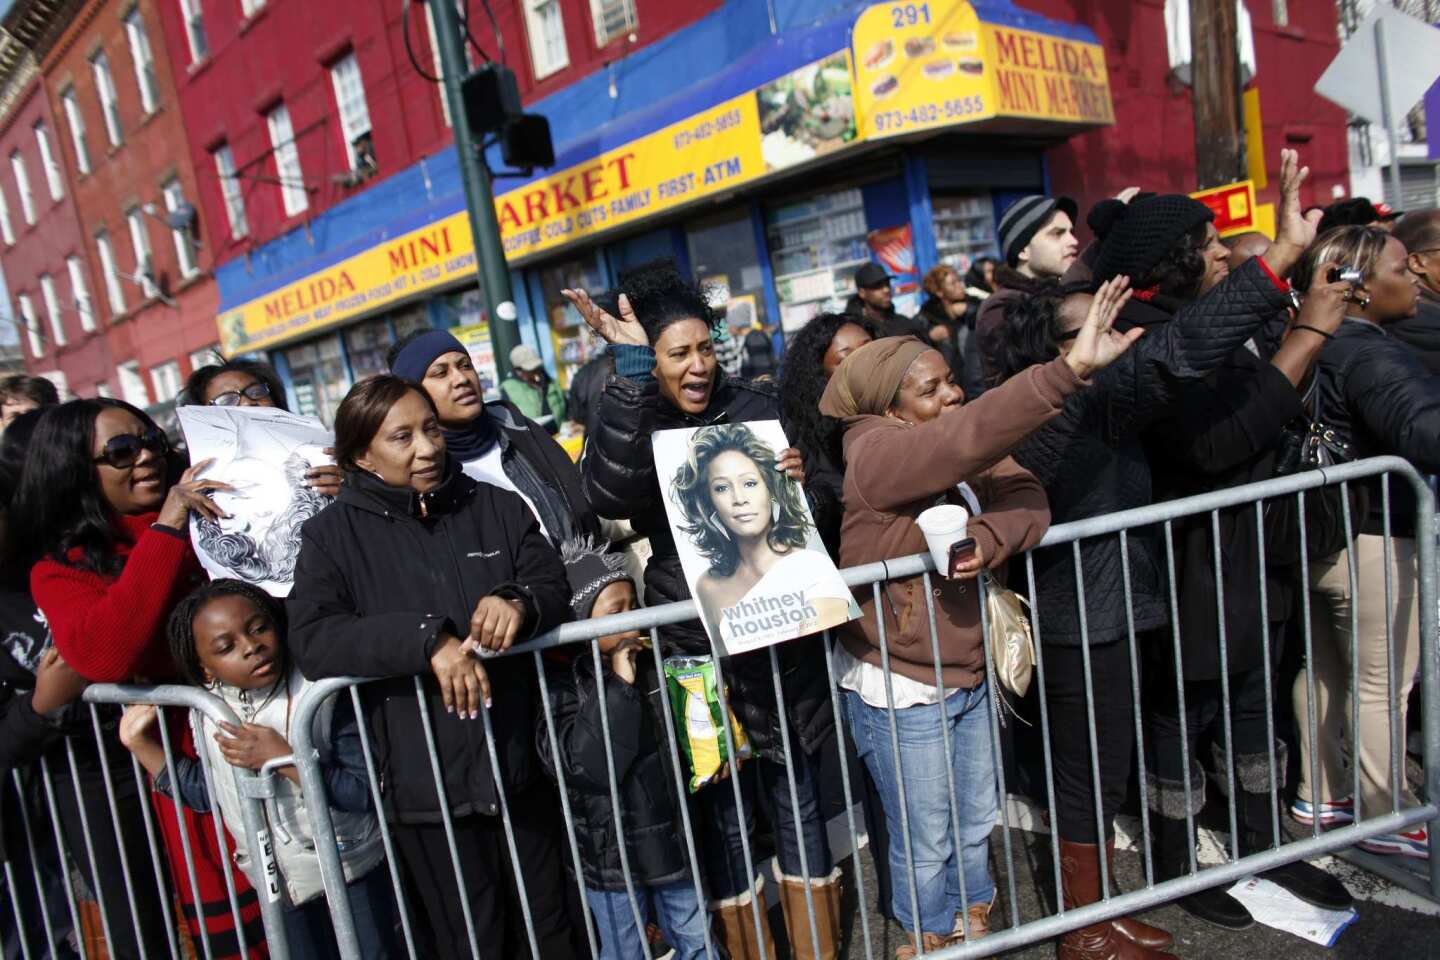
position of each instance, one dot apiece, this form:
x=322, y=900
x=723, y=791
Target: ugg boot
x=1080, y=885
x=737, y=925
x=1136, y=931
x=1257, y=832
x=929, y=942
x=979, y=918
x=825, y=893
x=1170, y=846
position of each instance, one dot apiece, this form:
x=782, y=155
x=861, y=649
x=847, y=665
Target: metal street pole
x=490, y=267
x=1386, y=116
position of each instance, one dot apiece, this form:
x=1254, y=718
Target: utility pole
x=490, y=267
x=1215, y=84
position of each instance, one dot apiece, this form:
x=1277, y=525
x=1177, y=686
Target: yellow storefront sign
x=792, y=119
x=422, y=259
x=937, y=64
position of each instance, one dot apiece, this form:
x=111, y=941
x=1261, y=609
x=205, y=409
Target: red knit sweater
x=112, y=629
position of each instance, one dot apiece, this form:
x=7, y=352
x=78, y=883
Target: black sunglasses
x=232, y=398
x=123, y=452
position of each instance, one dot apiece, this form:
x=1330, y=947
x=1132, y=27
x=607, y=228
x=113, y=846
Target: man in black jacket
x=874, y=299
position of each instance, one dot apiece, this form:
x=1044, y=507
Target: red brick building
x=42, y=246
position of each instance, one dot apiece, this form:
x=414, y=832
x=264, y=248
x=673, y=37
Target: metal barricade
x=1008, y=928
x=144, y=866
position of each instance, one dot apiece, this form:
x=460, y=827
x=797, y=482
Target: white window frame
x=54, y=179
x=251, y=7
x=22, y=186
x=597, y=17
x=293, y=195
x=230, y=191
x=174, y=193
x=350, y=103
x=144, y=256
x=102, y=389
x=109, y=101
x=194, y=19
x=544, y=60
x=435, y=59
x=32, y=325
x=7, y=229
x=70, y=100
x=203, y=358
x=132, y=384
x=80, y=290
x=144, y=61
x=114, y=293
x=52, y=308
x=165, y=379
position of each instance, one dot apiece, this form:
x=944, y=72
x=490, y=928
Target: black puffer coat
x=1378, y=397
x=1091, y=461
x=619, y=473
x=643, y=771
x=1224, y=432
x=377, y=584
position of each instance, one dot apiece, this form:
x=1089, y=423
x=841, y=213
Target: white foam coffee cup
x=942, y=526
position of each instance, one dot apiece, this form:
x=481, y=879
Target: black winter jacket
x=1422, y=331
x=1378, y=397
x=1224, y=432
x=619, y=472
x=586, y=386
x=375, y=587
x=643, y=771
x=526, y=440
x=1091, y=460
x=894, y=324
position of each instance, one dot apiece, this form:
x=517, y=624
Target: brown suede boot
x=931, y=941
x=737, y=925
x=1136, y=931
x=1080, y=878
x=825, y=892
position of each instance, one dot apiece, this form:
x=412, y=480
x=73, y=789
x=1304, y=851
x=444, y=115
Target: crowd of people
x=1051, y=385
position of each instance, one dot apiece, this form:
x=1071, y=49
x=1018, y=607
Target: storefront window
x=317, y=373
x=722, y=251
x=815, y=246
x=573, y=342
x=366, y=344
x=463, y=313
x=964, y=228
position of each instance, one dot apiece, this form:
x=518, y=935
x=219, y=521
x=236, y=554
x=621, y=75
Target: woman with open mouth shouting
x=660, y=326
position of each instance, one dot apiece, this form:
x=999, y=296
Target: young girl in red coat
x=111, y=559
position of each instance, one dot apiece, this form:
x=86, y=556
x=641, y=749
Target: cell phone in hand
x=961, y=551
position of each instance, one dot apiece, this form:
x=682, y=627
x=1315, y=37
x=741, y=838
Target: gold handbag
x=1012, y=648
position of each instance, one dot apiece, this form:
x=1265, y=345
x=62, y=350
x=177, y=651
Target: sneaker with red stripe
x=1332, y=813
x=1411, y=843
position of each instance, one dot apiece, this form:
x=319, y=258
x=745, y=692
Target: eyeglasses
x=231, y=398
x=123, y=452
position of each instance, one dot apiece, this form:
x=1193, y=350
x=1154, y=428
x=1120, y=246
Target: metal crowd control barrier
x=1009, y=929
x=140, y=880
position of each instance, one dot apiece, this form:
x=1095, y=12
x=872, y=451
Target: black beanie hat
x=590, y=570
x=1138, y=235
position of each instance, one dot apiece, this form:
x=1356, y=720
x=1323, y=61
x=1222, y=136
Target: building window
x=77, y=129
x=251, y=7
x=546, y=30
x=194, y=19
x=230, y=190
x=144, y=61
x=435, y=59
x=1281, y=10
x=165, y=378
x=102, y=389
x=22, y=184
x=206, y=357
x=52, y=307
x=32, y=326
x=287, y=161
x=84, y=306
x=132, y=385
x=109, y=104
x=7, y=230
x=184, y=247
x=354, y=114
x=49, y=162
x=613, y=18
x=144, y=262
x=114, y=293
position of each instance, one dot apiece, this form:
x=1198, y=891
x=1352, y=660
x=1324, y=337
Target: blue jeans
x=766, y=781
x=922, y=766
x=679, y=914
x=310, y=936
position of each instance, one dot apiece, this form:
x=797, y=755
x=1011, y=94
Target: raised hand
x=626, y=329
x=189, y=495
x=1293, y=230
x=1097, y=344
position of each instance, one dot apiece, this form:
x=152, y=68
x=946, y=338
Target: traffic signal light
x=492, y=105
x=525, y=142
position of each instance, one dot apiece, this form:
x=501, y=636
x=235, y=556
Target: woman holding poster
x=659, y=326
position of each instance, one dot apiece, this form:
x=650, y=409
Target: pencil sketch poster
x=264, y=454
x=746, y=538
